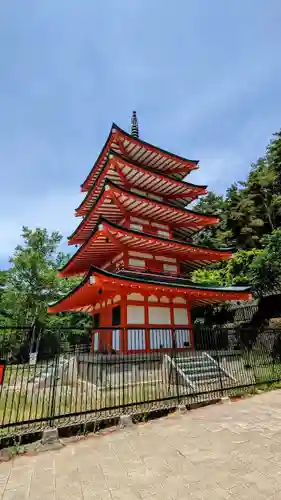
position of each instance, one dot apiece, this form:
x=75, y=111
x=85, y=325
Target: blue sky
x=204, y=77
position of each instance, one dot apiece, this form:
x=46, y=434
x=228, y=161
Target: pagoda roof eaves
x=140, y=141
x=100, y=220
x=149, y=169
x=176, y=283
x=75, y=289
x=182, y=282
x=186, y=283
x=169, y=205
x=112, y=184
x=135, y=164
x=137, y=233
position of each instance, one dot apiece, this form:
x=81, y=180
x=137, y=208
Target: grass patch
x=25, y=402
x=22, y=400
x=271, y=372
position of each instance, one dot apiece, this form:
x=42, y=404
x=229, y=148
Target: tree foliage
x=249, y=221
x=265, y=270
x=32, y=283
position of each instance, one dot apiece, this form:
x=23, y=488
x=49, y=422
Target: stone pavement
x=229, y=451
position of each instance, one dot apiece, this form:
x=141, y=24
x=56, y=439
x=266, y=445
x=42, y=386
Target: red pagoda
x=135, y=248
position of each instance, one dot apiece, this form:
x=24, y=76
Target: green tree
x=3, y=282
x=235, y=271
x=273, y=158
x=260, y=187
x=208, y=276
x=265, y=269
x=250, y=209
x=30, y=285
x=215, y=236
x=241, y=219
x=32, y=279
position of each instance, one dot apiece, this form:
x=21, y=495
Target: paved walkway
x=230, y=451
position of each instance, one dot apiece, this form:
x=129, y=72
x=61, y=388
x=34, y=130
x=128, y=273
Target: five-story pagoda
x=135, y=252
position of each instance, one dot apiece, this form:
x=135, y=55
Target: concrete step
x=204, y=369
x=197, y=369
x=202, y=366
x=196, y=362
x=206, y=376
x=193, y=366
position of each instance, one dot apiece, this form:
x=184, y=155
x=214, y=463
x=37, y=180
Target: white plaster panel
x=165, y=259
x=164, y=299
x=179, y=300
x=135, y=296
x=164, y=234
x=141, y=254
x=135, y=315
x=170, y=268
x=180, y=316
x=152, y=298
x=159, y=315
x=137, y=263
x=136, y=227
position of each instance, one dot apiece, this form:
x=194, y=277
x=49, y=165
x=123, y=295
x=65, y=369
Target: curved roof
x=141, y=152
x=98, y=283
x=108, y=239
x=114, y=203
x=127, y=173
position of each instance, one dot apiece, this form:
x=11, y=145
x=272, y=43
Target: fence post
x=174, y=356
x=253, y=356
x=54, y=390
x=218, y=339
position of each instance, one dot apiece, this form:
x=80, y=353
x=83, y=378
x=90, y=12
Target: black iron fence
x=244, y=314
x=63, y=377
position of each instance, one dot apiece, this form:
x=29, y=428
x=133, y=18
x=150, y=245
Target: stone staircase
x=195, y=370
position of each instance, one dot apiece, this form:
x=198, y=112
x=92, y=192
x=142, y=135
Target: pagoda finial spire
x=134, y=125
